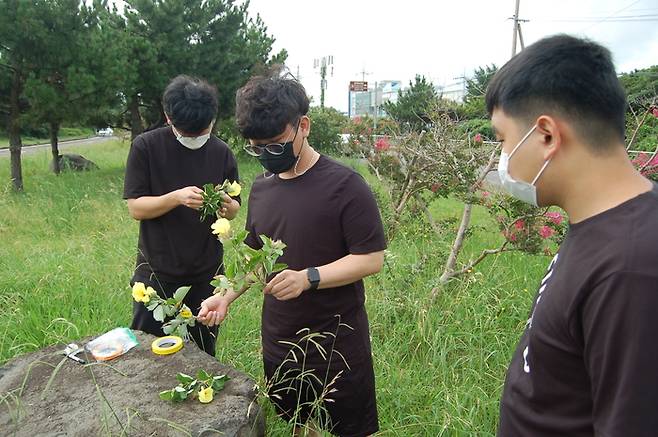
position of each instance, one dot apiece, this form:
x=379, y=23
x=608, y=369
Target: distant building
x=367, y=102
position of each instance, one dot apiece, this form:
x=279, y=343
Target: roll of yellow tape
x=167, y=345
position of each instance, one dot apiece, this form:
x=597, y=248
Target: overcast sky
x=395, y=40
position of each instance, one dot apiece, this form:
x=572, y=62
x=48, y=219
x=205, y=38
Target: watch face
x=313, y=277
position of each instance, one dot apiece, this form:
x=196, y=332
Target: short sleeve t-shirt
x=587, y=363
x=177, y=246
x=323, y=215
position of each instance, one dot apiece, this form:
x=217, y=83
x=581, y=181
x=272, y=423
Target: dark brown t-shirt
x=177, y=245
x=325, y=214
x=587, y=364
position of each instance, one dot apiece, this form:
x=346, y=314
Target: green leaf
x=279, y=267
x=159, y=313
x=182, y=331
x=167, y=395
x=202, y=375
x=218, y=382
x=180, y=393
x=168, y=328
x=170, y=311
x=231, y=269
x=179, y=295
x=241, y=236
x=185, y=379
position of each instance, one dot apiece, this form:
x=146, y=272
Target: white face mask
x=192, y=143
x=519, y=189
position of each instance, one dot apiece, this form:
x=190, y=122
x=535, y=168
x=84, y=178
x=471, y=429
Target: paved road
x=63, y=145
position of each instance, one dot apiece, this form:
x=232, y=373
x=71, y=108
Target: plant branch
x=637, y=128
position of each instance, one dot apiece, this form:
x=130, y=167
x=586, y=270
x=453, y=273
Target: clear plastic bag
x=112, y=344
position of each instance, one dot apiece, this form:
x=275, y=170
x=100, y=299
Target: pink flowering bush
x=647, y=163
x=525, y=228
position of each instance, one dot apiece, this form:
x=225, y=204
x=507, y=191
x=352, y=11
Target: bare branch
x=638, y=126
x=481, y=257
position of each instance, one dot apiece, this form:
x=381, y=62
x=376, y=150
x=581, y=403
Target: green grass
x=65, y=134
x=68, y=247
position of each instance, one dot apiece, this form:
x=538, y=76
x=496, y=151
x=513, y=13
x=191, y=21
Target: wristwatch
x=313, y=276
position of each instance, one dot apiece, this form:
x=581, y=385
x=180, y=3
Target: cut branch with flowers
x=213, y=199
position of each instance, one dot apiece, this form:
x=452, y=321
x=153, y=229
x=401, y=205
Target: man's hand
x=288, y=284
x=229, y=208
x=213, y=310
x=189, y=196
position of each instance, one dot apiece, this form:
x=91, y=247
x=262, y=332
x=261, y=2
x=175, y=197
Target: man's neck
x=307, y=159
x=605, y=184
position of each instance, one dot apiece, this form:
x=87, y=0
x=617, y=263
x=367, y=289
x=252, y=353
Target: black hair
x=268, y=103
x=190, y=103
x=571, y=77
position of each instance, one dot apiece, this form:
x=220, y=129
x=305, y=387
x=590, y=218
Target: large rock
x=71, y=161
x=38, y=398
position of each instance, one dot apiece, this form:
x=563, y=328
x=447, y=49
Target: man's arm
x=289, y=284
x=150, y=207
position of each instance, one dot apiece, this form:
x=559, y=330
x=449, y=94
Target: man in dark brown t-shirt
x=586, y=364
x=314, y=328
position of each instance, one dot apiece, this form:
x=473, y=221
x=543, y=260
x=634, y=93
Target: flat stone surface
x=40, y=396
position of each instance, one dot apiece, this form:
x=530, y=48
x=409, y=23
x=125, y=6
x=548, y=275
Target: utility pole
x=517, y=29
x=376, y=109
x=364, y=73
x=322, y=64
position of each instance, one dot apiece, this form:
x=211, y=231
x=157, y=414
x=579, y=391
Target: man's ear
x=551, y=135
x=305, y=126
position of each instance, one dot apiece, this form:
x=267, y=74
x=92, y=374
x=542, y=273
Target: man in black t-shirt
x=327, y=216
x=587, y=363
x=165, y=171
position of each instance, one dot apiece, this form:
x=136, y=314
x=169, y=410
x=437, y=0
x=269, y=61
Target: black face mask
x=280, y=163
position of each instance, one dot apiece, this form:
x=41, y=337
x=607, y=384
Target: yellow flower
x=150, y=292
x=205, y=395
x=233, y=189
x=139, y=292
x=185, y=312
x=221, y=228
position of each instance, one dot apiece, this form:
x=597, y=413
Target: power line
x=611, y=15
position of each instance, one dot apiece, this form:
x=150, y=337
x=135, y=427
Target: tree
x=24, y=32
x=66, y=85
x=642, y=95
x=326, y=126
x=411, y=110
x=476, y=87
x=213, y=39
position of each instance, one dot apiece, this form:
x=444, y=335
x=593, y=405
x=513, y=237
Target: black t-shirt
x=587, y=364
x=323, y=215
x=177, y=246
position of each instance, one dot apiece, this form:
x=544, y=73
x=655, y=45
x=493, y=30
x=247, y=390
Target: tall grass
x=67, y=250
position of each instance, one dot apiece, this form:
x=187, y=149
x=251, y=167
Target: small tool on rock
x=71, y=352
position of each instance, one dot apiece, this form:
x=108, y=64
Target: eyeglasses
x=273, y=148
x=257, y=150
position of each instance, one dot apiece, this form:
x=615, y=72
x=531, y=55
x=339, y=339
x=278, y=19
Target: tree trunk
x=135, y=118
x=54, y=146
x=14, y=130
x=457, y=245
